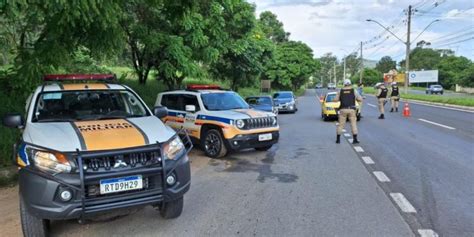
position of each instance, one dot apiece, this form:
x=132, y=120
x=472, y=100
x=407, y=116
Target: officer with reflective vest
x=348, y=97
x=381, y=95
x=394, y=97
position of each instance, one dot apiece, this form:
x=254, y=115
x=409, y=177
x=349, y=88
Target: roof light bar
x=79, y=77
x=203, y=87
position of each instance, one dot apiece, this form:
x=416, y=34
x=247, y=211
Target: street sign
x=423, y=76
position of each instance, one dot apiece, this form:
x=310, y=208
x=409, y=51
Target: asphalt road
x=305, y=186
x=428, y=157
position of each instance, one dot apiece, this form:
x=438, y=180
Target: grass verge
x=432, y=98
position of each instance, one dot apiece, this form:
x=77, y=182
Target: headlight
x=53, y=162
x=173, y=148
x=240, y=123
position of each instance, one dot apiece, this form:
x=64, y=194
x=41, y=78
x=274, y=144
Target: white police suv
x=89, y=146
x=219, y=120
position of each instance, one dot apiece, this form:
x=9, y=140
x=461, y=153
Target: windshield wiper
x=55, y=120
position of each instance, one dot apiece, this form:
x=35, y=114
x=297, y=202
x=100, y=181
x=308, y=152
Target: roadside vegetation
x=462, y=101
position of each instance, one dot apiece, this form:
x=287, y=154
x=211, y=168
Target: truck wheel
x=264, y=148
x=32, y=226
x=172, y=209
x=213, y=144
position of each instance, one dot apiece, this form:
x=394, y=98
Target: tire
x=172, y=209
x=213, y=144
x=32, y=226
x=325, y=118
x=441, y=93
x=265, y=148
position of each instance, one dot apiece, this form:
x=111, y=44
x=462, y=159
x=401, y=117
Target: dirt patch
x=9, y=218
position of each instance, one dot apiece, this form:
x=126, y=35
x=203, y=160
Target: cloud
x=339, y=26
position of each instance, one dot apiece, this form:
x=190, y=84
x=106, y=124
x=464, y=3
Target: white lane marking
x=347, y=135
x=381, y=176
x=371, y=105
x=368, y=160
x=437, y=124
x=402, y=202
x=350, y=140
x=427, y=233
x=343, y=130
x=358, y=149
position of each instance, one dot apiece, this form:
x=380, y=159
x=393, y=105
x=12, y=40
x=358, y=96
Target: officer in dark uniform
x=381, y=95
x=394, y=97
x=348, y=97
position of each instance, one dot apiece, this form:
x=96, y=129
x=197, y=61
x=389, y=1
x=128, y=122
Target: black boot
x=354, y=139
x=391, y=110
x=338, y=139
x=381, y=116
x=396, y=109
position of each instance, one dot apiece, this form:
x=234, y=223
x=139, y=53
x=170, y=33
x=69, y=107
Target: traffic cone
x=406, y=111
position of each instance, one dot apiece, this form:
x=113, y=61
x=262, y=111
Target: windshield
x=330, y=97
x=223, y=101
x=436, y=86
x=259, y=101
x=283, y=95
x=87, y=105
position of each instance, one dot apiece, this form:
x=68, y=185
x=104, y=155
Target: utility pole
x=361, y=63
x=344, y=76
x=335, y=78
x=407, y=57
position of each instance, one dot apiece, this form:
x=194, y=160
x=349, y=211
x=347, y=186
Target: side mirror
x=160, y=111
x=190, y=108
x=13, y=120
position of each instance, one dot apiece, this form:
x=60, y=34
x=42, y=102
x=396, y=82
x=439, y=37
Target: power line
x=451, y=43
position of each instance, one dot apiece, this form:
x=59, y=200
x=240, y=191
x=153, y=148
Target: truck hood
x=97, y=134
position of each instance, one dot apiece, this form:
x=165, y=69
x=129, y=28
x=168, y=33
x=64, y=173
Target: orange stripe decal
x=84, y=86
x=110, y=134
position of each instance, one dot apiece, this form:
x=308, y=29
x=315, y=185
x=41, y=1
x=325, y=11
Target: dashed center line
x=381, y=176
x=427, y=233
x=350, y=140
x=358, y=149
x=402, y=202
x=371, y=105
x=347, y=135
x=368, y=160
x=437, y=124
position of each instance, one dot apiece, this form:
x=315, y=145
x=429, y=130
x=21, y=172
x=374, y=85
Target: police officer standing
x=394, y=97
x=381, y=95
x=348, y=97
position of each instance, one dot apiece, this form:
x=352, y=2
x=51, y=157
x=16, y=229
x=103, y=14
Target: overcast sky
x=339, y=26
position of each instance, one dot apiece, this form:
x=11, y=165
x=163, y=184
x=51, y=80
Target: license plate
x=265, y=137
x=121, y=184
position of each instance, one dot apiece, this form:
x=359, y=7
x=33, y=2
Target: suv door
x=190, y=118
x=171, y=101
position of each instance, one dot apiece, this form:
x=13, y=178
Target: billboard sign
x=423, y=76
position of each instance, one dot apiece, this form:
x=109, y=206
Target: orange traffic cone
x=406, y=111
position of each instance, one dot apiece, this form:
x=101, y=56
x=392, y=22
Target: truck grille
x=263, y=122
x=126, y=160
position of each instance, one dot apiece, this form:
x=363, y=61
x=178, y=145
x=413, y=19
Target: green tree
x=272, y=27
x=423, y=59
x=242, y=60
x=46, y=34
x=385, y=64
x=370, y=77
x=326, y=71
x=466, y=78
x=293, y=64
x=451, y=69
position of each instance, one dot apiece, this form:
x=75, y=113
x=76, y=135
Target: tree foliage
x=370, y=77
x=293, y=64
x=385, y=64
x=326, y=72
x=272, y=27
